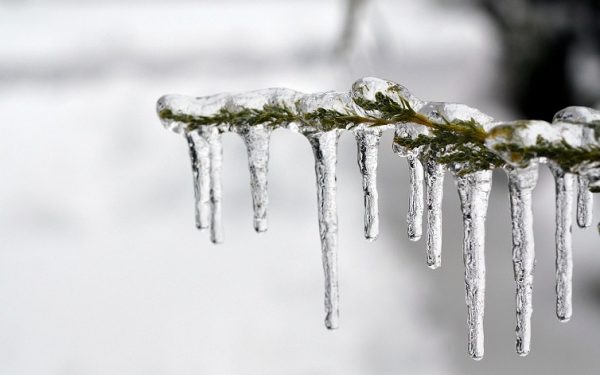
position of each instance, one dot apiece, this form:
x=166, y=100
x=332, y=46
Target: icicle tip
x=260, y=225
x=332, y=320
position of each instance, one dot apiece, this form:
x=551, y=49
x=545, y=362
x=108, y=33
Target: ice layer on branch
x=434, y=137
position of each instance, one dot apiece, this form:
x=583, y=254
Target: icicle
x=584, y=122
x=521, y=182
x=434, y=181
x=474, y=190
x=564, y=257
x=572, y=137
x=414, y=218
x=585, y=203
x=257, y=139
x=213, y=139
x=199, y=150
x=325, y=151
x=367, y=145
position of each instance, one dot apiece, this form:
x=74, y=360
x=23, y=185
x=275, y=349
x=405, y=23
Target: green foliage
x=563, y=154
x=457, y=143
x=392, y=112
x=269, y=114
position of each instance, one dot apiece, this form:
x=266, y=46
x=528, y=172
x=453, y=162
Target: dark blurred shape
x=592, y=290
x=348, y=35
x=545, y=43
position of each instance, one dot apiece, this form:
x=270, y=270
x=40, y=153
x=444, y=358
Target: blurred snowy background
x=103, y=272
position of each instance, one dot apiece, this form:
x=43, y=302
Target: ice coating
x=531, y=139
x=467, y=153
x=182, y=104
x=324, y=147
x=578, y=115
x=523, y=133
x=521, y=182
x=591, y=118
x=256, y=139
x=180, y=113
x=367, y=88
x=328, y=103
x=518, y=142
x=414, y=218
x=367, y=149
x=440, y=111
x=329, y=100
x=257, y=99
x=474, y=190
x=199, y=155
x=434, y=137
x=592, y=172
x=564, y=253
x=434, y=182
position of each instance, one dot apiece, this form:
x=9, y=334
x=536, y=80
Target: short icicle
x=257, y=139
x=585, y=202
x=213, y=138
x=367, y=145
x=414, y=218
x=199, y=155
x=564, y=183
x=434, y=182
x=521, y=182
x=474, y=190
x=324, y=145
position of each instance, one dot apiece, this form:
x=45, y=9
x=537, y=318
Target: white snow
x=102, y=269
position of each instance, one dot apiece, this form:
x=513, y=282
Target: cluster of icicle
x=202, y=122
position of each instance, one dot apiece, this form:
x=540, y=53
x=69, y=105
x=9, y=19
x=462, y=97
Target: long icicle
x=199, y=151
x=474, y=190
x=324, y=147
x=585, y=202
x=521, y=182
x=564, y=253
x=257, y=139
x=213, y=138
x=414, y=218
x=434, y=182
x=367, y=141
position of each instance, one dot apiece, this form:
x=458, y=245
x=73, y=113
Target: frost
x=434, y=137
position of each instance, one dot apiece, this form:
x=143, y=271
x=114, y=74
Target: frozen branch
x=434, y=137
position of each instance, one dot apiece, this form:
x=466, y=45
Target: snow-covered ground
x=103, y=272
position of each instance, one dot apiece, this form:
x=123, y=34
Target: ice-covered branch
x=434, y=137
